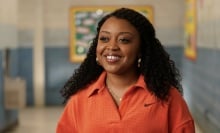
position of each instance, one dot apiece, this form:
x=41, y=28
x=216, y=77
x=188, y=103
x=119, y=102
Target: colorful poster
x=190, y=48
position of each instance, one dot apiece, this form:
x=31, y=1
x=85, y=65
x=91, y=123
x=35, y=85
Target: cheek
x=132, y=56
x=132, y=52
x=99, y=50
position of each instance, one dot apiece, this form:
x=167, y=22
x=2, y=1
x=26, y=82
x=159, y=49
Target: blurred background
x=35, y=57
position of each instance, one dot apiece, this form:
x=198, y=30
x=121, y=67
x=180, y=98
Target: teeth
x=112, y=57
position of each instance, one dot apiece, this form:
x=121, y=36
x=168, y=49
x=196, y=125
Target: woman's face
x=118, y=46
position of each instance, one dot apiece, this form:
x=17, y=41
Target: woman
x=126, y=84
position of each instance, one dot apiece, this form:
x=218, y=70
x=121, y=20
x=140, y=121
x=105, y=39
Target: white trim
x=38, y=57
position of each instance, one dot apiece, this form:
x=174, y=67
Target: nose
x=113, y=45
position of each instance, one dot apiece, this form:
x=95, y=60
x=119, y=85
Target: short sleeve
x=187, y=127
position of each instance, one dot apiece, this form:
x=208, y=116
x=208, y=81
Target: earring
x=139, y=62
x=97, y=60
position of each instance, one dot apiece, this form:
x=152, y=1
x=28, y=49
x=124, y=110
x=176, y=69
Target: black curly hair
x=160, y=73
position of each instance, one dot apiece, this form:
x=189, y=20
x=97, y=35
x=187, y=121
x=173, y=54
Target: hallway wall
x=8, y=39
x=201, y=77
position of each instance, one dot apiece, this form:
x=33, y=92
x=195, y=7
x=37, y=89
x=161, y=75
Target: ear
x=139, y=52
x=139, y=55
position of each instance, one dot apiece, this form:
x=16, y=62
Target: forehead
x=114, y=23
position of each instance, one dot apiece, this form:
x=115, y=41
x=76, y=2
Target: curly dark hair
x=160, y=73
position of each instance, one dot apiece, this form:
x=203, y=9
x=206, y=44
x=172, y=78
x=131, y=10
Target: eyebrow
x=119, y=32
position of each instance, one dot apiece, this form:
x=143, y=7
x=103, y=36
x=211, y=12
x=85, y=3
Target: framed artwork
x=83, y=23
x=190, y=35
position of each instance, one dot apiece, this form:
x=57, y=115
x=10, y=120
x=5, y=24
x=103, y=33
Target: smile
x=112, y=58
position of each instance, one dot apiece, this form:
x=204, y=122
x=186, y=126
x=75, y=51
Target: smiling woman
x=118, y=47
x=126, y=82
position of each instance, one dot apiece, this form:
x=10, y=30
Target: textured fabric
x=93, y=110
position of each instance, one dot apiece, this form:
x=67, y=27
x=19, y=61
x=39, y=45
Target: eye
x=124, y=40
x=104, y=39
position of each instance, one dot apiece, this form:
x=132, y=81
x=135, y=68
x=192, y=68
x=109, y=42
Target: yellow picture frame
x=190, y=33
x=83, y=21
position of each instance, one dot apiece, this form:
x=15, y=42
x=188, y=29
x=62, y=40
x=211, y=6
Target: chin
x=116, y=72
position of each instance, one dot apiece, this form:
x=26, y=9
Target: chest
x=134, y=114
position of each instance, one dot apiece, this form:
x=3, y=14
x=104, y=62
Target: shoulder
x=178, y=105
x=179, y=113
x=176, y=101
x=174, y=94
x=80, y=95
x=88, y=90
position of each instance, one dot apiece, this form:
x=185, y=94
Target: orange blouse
x=93, y=110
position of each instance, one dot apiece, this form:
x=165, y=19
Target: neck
x=121, y=82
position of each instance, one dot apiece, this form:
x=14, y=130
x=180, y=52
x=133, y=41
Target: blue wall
x=25, y=71
x=7, y=117
x=176, y=54
x=201, y=78
x=58, y=70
